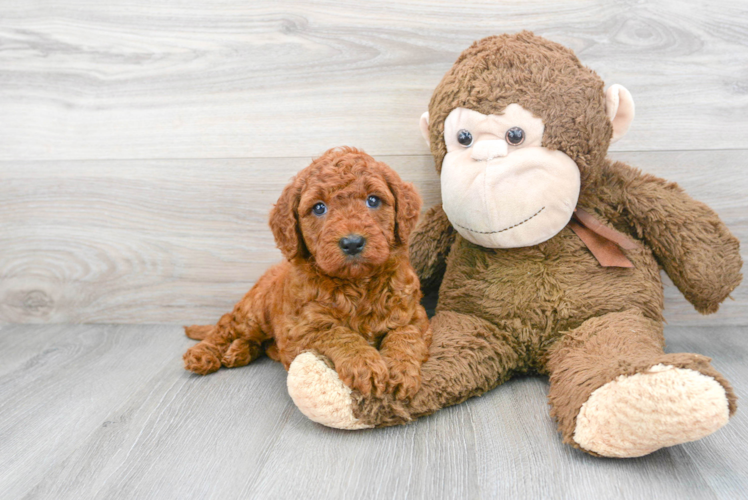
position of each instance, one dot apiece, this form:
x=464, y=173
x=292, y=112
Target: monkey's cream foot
x=638, y=414
x=319, y=393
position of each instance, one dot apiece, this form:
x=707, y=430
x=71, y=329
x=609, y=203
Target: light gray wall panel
x=181, y=241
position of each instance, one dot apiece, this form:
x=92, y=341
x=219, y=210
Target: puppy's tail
x=199, y=332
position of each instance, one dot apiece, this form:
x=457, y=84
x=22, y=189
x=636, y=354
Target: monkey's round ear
x=425, y=127
x=619, y=106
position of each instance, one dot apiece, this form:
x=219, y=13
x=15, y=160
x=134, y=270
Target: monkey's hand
x=688, y=238
x=430, y=244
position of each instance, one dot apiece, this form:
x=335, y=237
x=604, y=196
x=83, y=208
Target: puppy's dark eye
x=373, y=201
x=319, y=209
x=515, y=136
x=465, y=138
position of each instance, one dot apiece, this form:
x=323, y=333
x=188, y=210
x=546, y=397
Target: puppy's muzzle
x=353, y=244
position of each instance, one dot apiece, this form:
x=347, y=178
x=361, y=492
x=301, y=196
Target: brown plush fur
x=362, y=312
x=551, y=308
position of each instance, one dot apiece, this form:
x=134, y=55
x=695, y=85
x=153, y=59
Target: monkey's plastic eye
x=373, y=201
x=515, y=136
x=465, y=138
x=319, y=209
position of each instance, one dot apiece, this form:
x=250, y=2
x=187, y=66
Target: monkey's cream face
x=500, y=187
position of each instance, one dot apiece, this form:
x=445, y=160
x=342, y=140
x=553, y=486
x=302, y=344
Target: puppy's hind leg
x=199, y=332
x=241, y=352
x=235, y=341
x=237, y=337
x=246, y=345
x=205, y=357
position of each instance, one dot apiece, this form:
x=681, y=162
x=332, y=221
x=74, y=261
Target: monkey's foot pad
x=319, y=393
x=638, y=414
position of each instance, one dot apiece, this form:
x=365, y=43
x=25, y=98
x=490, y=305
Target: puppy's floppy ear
x=407, y=206
x=284, y=221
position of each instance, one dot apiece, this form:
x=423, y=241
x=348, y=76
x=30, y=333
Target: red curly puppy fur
x=346, y=290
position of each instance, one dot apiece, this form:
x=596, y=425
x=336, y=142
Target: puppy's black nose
x=352, y=244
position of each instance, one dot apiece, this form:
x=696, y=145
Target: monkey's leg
x=236, y=340
x=468, y=356
x=615, y=393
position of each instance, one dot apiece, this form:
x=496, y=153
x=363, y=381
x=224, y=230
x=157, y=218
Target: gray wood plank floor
x=108, y=412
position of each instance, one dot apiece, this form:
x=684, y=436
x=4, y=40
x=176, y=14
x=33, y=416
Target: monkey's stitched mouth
x=502, y=230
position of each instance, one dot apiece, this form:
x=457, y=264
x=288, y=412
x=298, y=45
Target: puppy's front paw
x=405, y=378
x=202, y=358
x=365, y=373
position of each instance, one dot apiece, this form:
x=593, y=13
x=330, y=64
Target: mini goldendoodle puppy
x=346, y=290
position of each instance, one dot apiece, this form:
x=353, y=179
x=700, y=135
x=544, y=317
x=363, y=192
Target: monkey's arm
x=430, y=243
x=688, y=238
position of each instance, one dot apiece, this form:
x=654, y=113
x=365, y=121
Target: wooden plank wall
x=142, y=143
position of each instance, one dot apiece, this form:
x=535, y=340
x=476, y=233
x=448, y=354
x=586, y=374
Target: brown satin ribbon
x=604, y=242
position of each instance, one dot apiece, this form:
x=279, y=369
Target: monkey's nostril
x=352, y=244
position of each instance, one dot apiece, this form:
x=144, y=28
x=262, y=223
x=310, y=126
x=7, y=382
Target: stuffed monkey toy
x=547, y=256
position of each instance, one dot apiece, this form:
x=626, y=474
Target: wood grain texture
x=120, y=79
x=57, y=386
x=181, y=241
x=115, y=416
x=142, y=145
